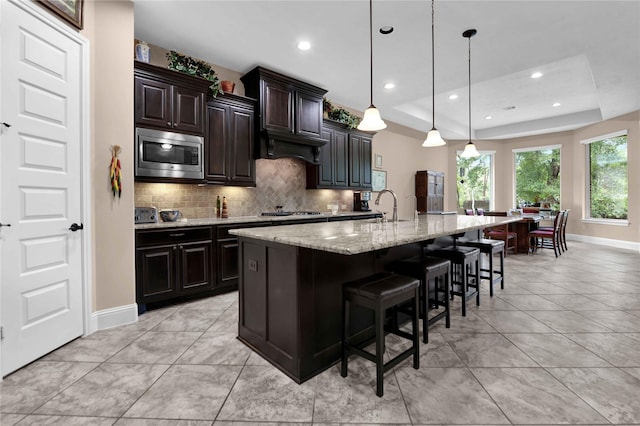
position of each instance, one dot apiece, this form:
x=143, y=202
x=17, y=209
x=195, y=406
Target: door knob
x=75, y=227
x=4, y=224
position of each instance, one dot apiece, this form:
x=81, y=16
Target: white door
x=40, y=187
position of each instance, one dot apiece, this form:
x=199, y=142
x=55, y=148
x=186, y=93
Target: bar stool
x=426, y=269
x=378, y=293
x=489, y=247
x=464, y=261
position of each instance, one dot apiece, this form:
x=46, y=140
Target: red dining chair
x=544, y=238
x=501, y=232
x=469, y=212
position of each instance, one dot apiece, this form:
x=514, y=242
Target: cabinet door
x=277, y=107
x=152, y=103
x=228, y=262
x=325, y=168
x=340, y=151
x=365, y=162
x=308, y=114
x=241, y=160
x=195, y=267
x=216, y=147
x=188, y=110
x=355, y=170
x=156, y=273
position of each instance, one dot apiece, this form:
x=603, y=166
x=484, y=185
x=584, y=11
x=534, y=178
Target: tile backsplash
x=280, y=182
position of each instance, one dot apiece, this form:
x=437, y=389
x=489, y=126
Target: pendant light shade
x=433, y=137
x=469, y=149
x=371, y=120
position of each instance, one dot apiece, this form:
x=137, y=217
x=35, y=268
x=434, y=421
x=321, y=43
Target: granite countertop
x=243, y=219
x=361, y=236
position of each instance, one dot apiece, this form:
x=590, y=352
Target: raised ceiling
x=588, y=52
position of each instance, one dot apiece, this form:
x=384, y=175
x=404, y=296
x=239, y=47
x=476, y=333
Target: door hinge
x=1, y=332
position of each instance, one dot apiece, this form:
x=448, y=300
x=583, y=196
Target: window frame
x=586, y=211
x=515, y=151
x=492, y=174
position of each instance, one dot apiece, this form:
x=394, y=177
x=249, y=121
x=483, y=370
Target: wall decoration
x=378, y=180
x=378, y=161
x=68, y=10
x=115, y=173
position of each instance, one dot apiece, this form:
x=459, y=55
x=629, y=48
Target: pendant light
x=371, y=120
x=433, y=137
x=470, y=148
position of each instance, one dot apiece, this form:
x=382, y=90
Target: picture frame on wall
x=378, y=161
x=378, y=180
x=68, y=10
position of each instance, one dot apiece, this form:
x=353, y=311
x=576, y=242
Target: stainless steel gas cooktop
x=293, y=213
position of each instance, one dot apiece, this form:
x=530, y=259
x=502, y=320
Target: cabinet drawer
x=174, y=235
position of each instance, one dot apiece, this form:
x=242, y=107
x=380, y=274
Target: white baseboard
x=627, y=245
x=113, y=317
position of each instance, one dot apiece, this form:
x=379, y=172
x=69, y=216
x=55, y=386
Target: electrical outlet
x=253, y=265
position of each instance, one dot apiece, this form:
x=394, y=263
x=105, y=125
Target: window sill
x=614, y=222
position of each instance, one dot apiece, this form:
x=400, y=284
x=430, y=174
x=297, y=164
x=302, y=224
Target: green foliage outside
x=538, y=178
x=474, y=182
x=608, y=176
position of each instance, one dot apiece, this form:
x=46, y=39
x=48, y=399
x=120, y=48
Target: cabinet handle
x=181, y=248
x=169, y=123
x=175, y=124
x=175, y=248
x=178, y=234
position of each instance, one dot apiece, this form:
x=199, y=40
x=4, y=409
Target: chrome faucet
x=395, y=202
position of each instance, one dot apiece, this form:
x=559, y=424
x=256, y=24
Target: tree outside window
x=475, y=186
x=608, y=178
x=538, y=177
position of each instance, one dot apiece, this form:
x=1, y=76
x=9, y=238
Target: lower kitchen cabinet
x=174, y=263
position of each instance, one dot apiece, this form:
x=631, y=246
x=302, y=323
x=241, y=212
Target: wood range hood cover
x=289, y=120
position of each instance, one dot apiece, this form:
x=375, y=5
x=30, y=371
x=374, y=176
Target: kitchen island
x=290, y=289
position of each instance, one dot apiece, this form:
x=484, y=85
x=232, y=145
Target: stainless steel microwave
x=168, y=155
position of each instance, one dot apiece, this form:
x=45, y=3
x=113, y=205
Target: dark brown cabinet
x=229, y=141
x=173, y=263
x=430, y=191
x=290, y=115
x=360, y=160
x=333, y=170
x=167, y=99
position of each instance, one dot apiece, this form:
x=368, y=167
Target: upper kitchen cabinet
x=333, y=170
x=290, y=115
x=169, y=100
x=229, y=141
x=360, y=160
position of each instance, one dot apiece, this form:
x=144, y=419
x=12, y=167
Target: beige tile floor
x=559, y=345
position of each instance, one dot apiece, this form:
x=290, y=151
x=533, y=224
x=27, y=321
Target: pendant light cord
x=433, y=66
x=470, y=88
x=371, y=50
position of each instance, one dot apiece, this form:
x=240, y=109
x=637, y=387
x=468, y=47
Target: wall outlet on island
x=343, y=206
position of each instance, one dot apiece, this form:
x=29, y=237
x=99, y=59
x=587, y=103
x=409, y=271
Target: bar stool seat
x=464, y=262
x=426, y=269
x=378, y=293
x=489, y=247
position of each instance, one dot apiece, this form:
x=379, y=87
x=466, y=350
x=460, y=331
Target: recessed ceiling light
x=556, y=104
x=304, y=45
x=536, y=74
x=488, y=117
x=453, y=97
x=386, y=29
x=389, y=85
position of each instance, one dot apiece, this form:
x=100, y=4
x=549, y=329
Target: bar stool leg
x=465, y=288
x=490, y=274
x=416, y=333
x=425, y=309
x=478, y=281
x=379, y=321
x=447, y=286
x=345, y=337
x=501, y=270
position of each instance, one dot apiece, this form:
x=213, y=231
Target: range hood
x=289, y=122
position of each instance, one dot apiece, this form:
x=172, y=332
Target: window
x=607, y=182
x=538, y=177
x=475, y=181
